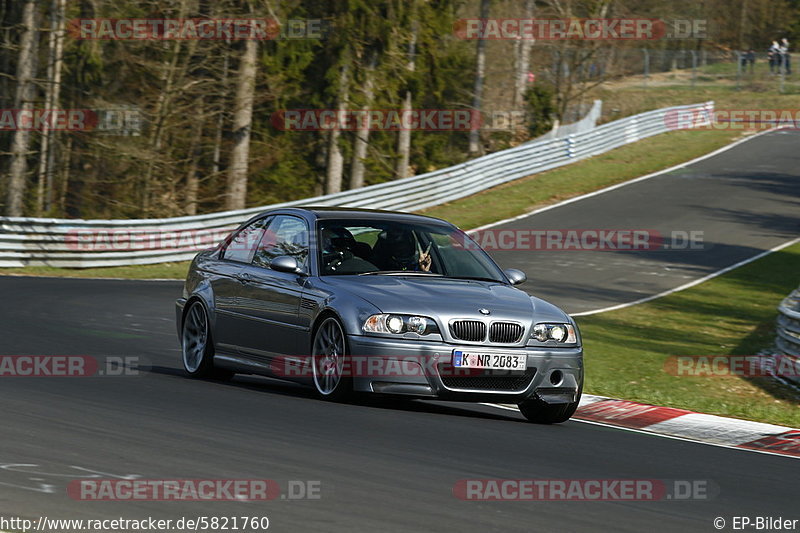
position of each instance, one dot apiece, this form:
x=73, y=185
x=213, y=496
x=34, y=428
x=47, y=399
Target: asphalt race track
x=389, y=465
x=743, y=201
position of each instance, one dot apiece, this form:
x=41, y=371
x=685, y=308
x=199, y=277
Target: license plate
x=492, y=361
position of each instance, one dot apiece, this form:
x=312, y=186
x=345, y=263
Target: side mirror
x=515, y=276
x=286, y=264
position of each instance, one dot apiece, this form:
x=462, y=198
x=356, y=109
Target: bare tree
x=47, y=163
x=522, y=60
x=192, y=180
x=335, y=165
x=362, y=135
x=480, y=73
x=404, y=136
x=217, y=153
x=236, y=193
x=20, y=144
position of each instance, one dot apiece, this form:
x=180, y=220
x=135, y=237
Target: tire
x=541, y=412
x=329, y=355
x=197, y=347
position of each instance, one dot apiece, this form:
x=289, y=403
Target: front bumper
x=554, y=375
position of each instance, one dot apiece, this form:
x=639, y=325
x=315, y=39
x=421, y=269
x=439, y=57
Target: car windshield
x=382, y=247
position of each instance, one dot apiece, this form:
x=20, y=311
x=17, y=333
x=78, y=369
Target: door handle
x=243, y=278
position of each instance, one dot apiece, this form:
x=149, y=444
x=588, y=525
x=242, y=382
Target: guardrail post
x=569, y=145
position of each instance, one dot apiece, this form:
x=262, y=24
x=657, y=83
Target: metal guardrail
x=587, y=123
x=788, y=331
x=95, y=243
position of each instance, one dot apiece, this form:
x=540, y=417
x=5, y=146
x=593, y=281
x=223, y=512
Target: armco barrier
x=52, y=242
x=788, y=329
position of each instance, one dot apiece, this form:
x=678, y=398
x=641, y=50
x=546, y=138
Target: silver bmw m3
x=350, y=301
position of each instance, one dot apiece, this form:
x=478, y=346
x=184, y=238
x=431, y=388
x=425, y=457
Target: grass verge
x=733, y=314
x=160, y=271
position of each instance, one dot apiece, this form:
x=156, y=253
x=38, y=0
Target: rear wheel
x=197, y=349
x=328, y=351
x=541, y=412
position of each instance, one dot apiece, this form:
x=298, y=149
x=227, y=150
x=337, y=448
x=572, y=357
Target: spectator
x=774, y=58
x=750, y=59
x=786, y=57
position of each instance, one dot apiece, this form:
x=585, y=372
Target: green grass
x=733, y=314
x=160, y=271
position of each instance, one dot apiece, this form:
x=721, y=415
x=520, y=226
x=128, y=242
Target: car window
x=243, y=245
x=285, y=235
x=356, y=246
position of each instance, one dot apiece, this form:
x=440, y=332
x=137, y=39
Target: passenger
x=338, y=253
x=397, y=249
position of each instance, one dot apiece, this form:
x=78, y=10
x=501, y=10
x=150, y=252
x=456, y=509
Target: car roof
x=344, y=213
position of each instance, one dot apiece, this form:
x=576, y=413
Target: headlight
x=562, y=333
x=399, y=324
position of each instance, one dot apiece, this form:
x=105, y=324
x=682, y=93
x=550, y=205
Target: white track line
x=626, y=183
x=691, y=283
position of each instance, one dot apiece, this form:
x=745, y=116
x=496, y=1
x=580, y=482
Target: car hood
x=431, y=296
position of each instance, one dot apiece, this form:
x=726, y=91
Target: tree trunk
x=522, y=49
x=236, y=193
x=26, y=71
x=742, y=24
x=362, y=135
x=5, y=57
x=192, y=181
x=216, y=154
x=404, y=136
x=335, y=166
x=47, y=161
x=480, y=73
x=64, y=172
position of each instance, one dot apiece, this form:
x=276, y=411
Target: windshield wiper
x=399, y=273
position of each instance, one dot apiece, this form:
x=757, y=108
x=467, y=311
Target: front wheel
x=541, y=412
x=197, y=349
x=328, y=353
